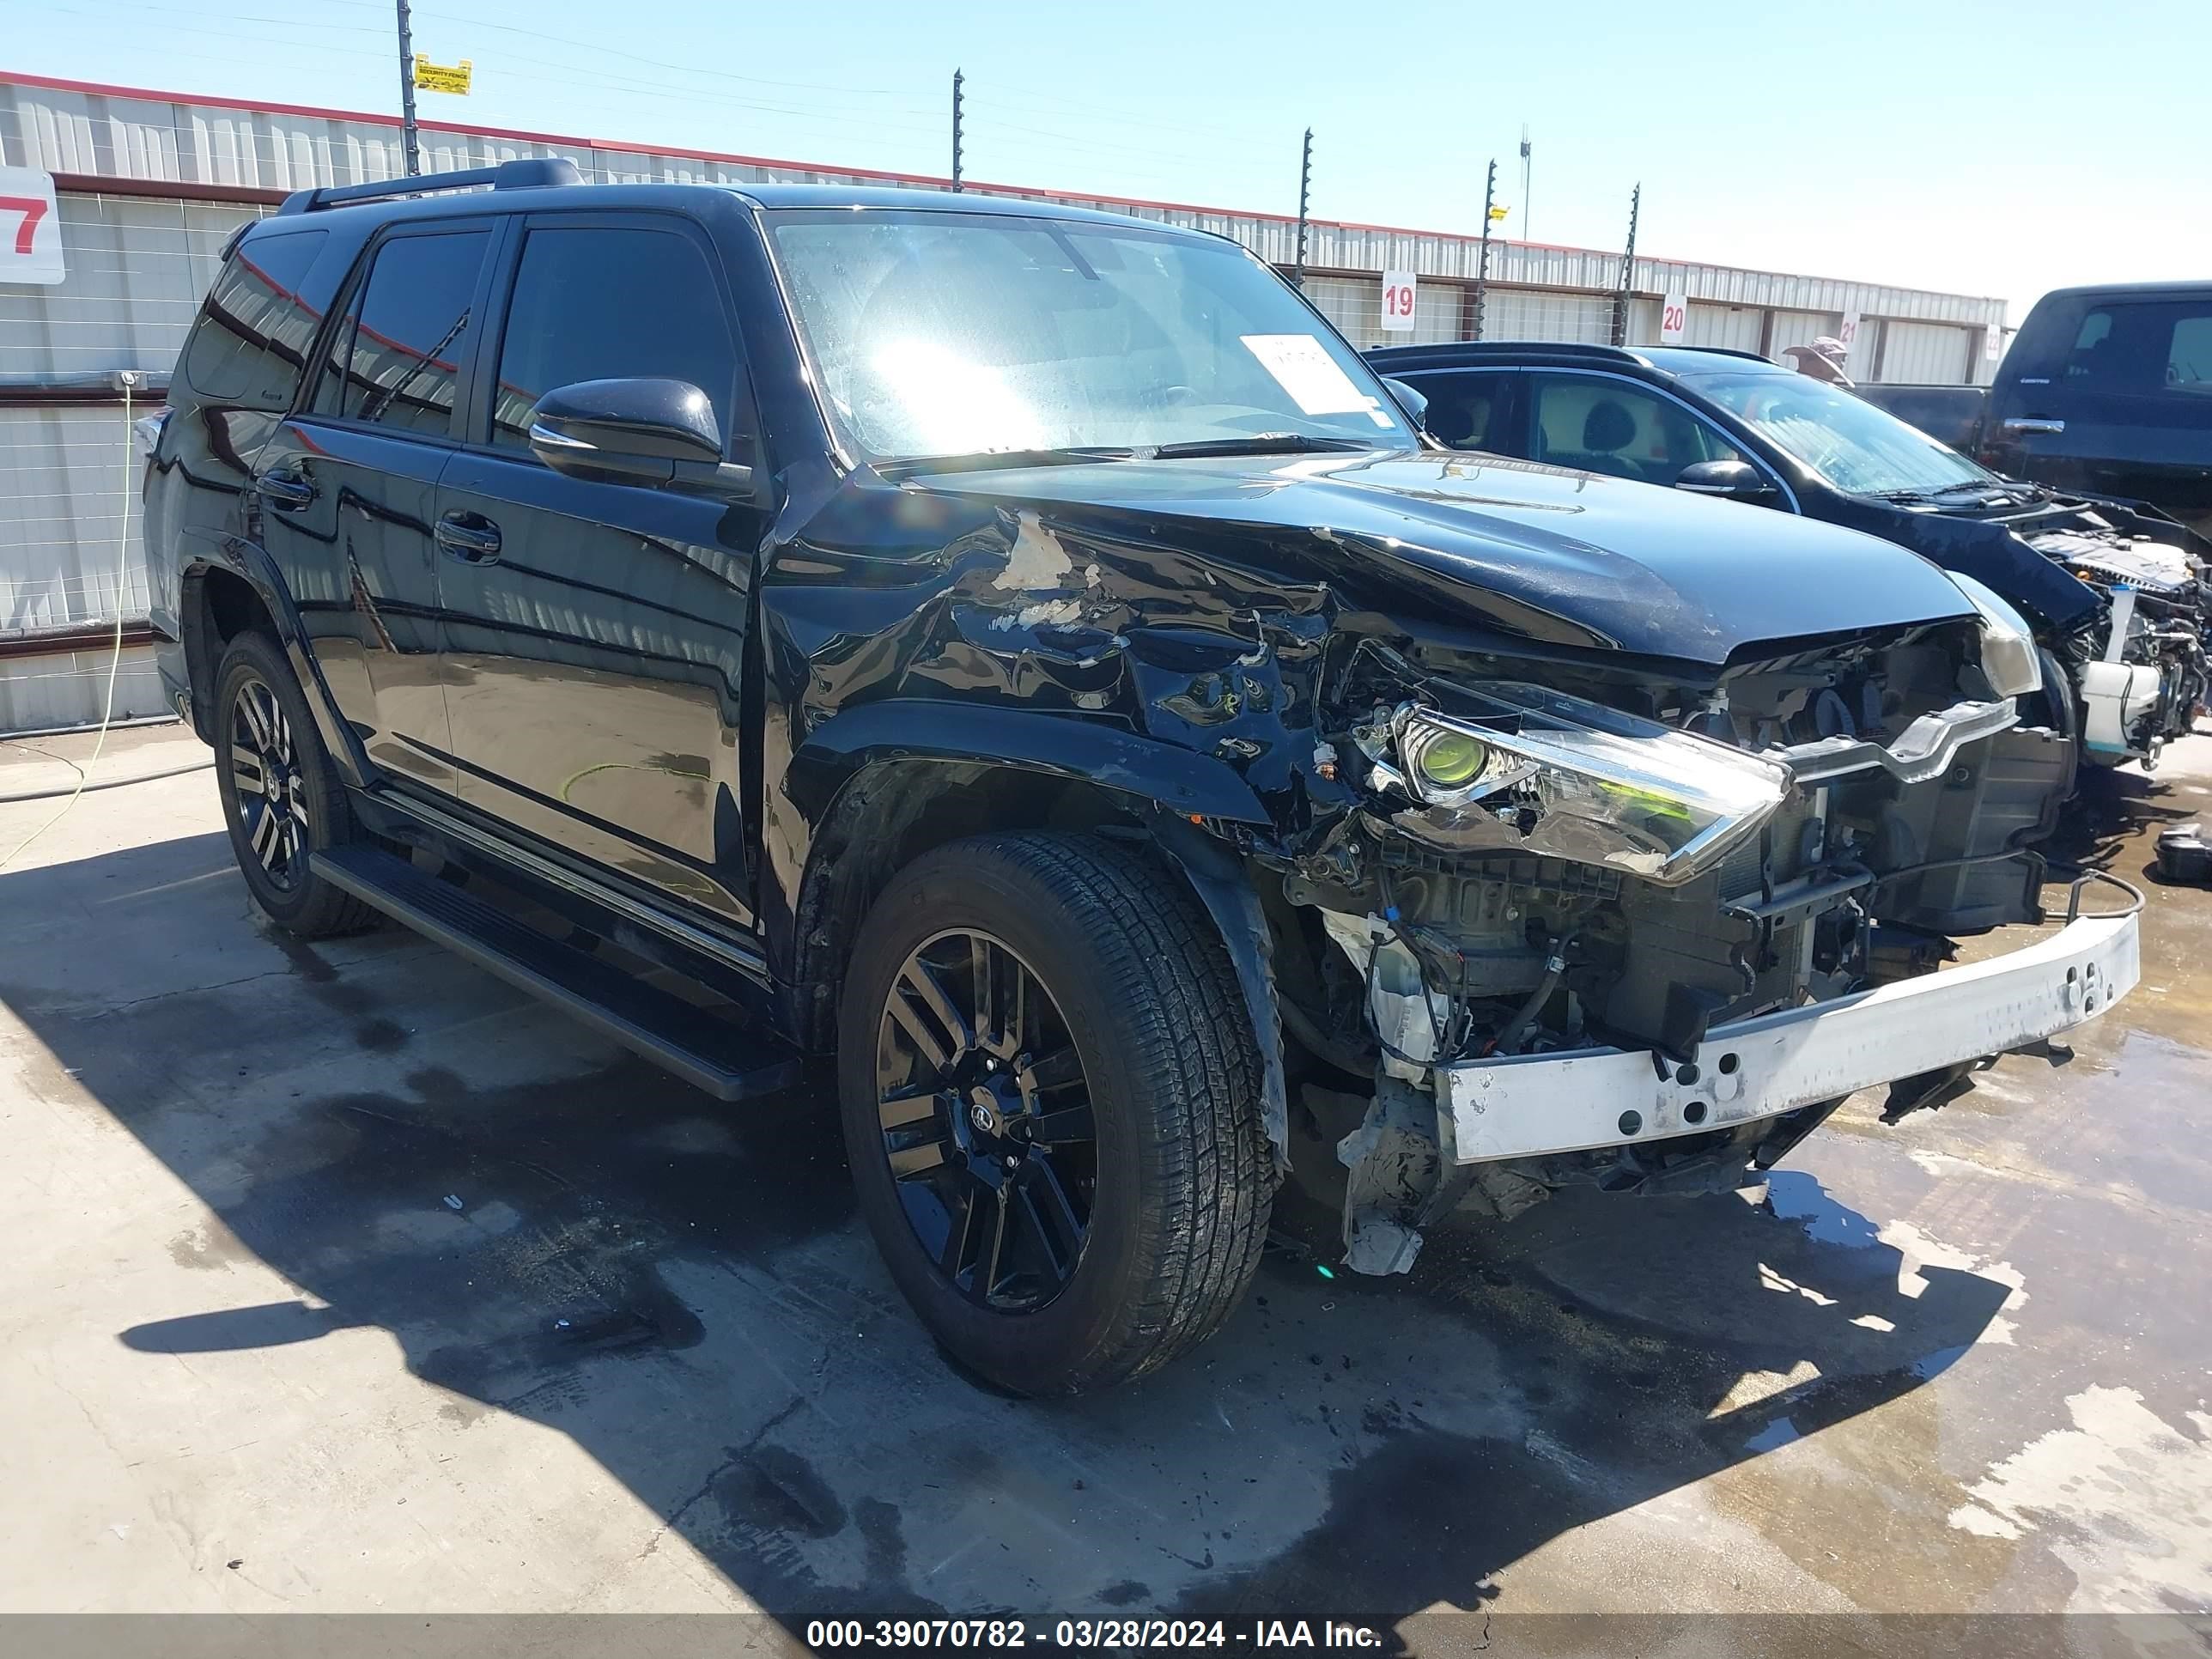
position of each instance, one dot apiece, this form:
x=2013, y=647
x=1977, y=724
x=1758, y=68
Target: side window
x=396, y=359
x=1467, y=411
x=2142, y=347
x=2189, y=354
x=601, y=302
x=1600, y=424
x=250, y=345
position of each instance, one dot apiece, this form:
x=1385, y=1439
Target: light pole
x=407, y=94
x=1306, y=183
x=956, y=79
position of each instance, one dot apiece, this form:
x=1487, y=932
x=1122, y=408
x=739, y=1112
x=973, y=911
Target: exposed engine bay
x=2141, y=664
x=1533, y=870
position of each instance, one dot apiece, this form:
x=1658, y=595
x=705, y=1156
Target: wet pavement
x=341, y=1278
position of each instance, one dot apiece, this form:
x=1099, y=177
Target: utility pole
x=1305, y=185
x=1482, y=263
x=1526, y=167
x=407, y=94
x=1627, y=269
x=957, y=78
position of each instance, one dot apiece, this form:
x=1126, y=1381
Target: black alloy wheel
x=1050, y=1091
x=283, y=799
x=986, y=1120
x=270, y=783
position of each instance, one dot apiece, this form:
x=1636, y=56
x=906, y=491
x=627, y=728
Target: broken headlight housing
x=1557, y=776
x=2009, y=661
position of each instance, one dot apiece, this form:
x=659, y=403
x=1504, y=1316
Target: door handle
x=286, y=489
x=469, y=536
x=2033, y=424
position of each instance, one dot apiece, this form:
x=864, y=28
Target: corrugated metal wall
x=66, y=474
x=137, y=270
x=1930, y=352
x=1793, y=328
x=1354, y=304
x=153, y=136
x=1736, y=327
x=1533, y=314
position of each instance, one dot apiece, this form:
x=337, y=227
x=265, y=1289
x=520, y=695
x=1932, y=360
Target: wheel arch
x=220, y=597
x=937, y=772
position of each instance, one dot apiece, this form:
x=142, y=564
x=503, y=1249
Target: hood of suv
x=1568, y=558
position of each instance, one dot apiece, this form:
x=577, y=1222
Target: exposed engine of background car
x=2116, y=591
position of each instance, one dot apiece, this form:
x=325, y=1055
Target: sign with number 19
x=1398, y=301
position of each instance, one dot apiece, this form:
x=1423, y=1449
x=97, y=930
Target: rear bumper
x=1526, y=1106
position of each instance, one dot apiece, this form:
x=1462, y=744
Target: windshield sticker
x=1311, y=375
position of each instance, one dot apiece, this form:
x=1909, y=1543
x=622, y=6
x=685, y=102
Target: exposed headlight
x=1556, y=774
x=2009, y=661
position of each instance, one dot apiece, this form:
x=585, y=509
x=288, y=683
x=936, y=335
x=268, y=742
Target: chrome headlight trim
x=1609, y=778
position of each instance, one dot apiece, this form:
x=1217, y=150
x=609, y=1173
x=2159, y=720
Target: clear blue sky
x=1997, y=147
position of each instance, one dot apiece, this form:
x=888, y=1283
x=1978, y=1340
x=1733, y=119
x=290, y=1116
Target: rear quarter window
x=249, y=344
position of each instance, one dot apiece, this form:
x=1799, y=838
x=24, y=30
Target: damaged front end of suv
x=1557, y=830
x=1545, y=859
x=1580, y=932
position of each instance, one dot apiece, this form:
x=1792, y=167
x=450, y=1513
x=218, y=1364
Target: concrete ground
x=341, y=1278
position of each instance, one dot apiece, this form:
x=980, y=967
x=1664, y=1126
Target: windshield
x=1851, y=443
x=942, y=334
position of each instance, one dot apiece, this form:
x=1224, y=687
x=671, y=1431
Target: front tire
x=1050, y=1091
x=283, y=800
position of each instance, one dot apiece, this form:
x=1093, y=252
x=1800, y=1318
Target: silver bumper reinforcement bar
x=1527, y=1105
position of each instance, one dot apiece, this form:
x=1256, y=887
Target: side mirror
x=638, y=431
x=1735, y=481
x=1414, y=402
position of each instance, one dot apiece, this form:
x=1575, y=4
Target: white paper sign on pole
x=1993, y=342
x=1673, y=318
x=1398, y=301
x=30, y=228
x=1848, y=337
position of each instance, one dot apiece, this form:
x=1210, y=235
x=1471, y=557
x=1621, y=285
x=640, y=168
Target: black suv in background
x=2115, y=590
x=1025, y=655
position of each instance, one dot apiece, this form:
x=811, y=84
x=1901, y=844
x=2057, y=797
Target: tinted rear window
x=251, y=342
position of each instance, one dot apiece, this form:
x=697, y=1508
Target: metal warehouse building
x=151, y=184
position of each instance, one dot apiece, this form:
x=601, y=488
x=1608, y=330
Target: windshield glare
x=940, y=334
x=1851, y=444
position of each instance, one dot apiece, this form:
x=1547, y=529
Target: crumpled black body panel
x=1181, y=631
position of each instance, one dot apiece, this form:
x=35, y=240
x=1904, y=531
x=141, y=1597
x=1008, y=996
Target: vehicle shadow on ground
x=2114, y=816
x=681, y=1288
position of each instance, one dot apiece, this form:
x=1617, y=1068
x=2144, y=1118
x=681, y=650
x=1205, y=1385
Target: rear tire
x=282, y=798
x=1052, y=1264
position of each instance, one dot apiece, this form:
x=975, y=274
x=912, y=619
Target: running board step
x=727, y=1060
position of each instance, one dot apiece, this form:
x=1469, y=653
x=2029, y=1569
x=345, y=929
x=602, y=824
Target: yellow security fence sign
x=437, y=77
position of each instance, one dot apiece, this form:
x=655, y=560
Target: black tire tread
x=1206, y=1222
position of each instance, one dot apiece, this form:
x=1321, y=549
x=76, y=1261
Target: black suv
x=2115, y=590
x=1026, y=654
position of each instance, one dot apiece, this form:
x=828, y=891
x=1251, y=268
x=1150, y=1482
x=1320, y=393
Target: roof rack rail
x=1727, y=351
x=1554, y=348
x=527, y=173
